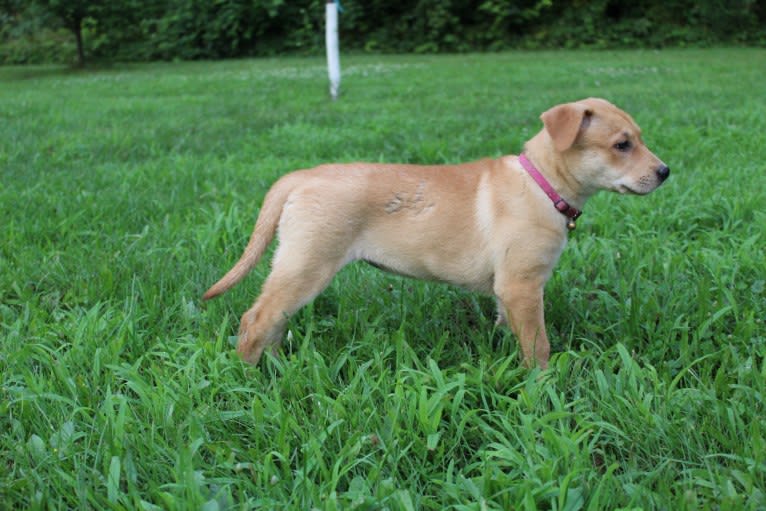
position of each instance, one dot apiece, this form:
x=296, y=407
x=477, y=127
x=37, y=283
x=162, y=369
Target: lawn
x=126, y=191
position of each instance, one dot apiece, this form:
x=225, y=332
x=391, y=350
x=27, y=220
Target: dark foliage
x=34, y=31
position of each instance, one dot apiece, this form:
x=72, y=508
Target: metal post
x=331, y=40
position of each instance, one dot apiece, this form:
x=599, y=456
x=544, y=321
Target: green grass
x=126, y=192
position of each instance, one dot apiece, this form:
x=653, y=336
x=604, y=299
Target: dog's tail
x=265, y=228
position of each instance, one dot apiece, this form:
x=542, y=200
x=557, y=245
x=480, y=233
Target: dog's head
x=601, y=145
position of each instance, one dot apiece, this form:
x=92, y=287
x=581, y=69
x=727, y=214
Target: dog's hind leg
x=502, y=318
x=296, y=278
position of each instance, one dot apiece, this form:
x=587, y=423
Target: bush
x=142, y=30
x=45, y=47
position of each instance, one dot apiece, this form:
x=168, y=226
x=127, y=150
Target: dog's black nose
x=663, y=172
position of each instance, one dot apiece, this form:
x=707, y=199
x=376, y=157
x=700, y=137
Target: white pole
x=331, y=40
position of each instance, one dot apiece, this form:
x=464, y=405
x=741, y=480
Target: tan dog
x=486, y=225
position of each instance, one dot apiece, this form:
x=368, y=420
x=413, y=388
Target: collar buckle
x=559, y=203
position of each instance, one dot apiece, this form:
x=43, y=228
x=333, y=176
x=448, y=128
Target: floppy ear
x=563, y=123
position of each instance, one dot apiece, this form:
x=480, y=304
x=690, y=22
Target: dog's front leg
x=522, y=299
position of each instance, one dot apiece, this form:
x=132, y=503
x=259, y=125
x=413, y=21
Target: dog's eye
x=623, y=146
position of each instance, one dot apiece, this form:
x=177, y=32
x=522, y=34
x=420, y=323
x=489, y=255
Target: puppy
x=494, y=225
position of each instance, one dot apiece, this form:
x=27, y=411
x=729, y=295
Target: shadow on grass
x=20, y=73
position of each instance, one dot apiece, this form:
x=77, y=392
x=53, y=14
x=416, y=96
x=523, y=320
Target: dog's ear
x=563, y=123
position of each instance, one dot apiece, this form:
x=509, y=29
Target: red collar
x=559, y=203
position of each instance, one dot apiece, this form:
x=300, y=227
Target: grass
x=125, y=192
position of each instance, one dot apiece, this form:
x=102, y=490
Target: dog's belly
x=468, y=273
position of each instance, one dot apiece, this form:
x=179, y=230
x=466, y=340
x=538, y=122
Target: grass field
x=125, y=192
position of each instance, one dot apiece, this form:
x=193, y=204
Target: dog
x=494, y=226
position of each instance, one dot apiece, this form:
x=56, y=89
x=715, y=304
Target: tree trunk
x=77, y=29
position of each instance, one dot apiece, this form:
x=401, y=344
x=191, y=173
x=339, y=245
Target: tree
x=72, y=13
